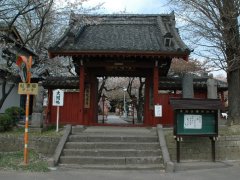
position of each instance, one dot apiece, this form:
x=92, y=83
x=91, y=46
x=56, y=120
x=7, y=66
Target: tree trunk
x=139, y=113
x=140, y=101
x=234, y=97
x=4, y=93
x=100, y=89
x=229, y=17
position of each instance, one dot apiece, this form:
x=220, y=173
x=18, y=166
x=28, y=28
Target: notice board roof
x=189, y=103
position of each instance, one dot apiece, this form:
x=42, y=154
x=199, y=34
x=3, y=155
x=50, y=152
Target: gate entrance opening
x=121, y=100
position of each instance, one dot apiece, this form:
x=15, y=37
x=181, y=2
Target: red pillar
x=81, y=94
x=49, y=107
x=147, y=114
x=155, y=88
x=93, y=99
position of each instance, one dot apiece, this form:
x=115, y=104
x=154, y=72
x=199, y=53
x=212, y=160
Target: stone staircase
x=112, y=148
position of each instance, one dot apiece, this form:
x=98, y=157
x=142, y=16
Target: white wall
x=13, y=99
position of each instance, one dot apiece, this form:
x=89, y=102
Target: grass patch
x=20, y=131
x=14, y=161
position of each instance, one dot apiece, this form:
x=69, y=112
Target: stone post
x=187, y=86
x=37, y=115
x=212, y=88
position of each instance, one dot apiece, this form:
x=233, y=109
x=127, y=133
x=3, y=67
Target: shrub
x=5, y=122
x=15, y=113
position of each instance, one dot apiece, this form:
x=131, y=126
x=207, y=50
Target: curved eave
x=181, y=54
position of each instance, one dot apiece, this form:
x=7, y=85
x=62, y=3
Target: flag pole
x=29, y=64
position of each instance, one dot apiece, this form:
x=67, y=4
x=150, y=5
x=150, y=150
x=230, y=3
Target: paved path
x=219, y=173
x=113, y=119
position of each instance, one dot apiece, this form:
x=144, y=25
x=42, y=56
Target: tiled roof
x=168, y=83
x=128, y=33
x=61, y=83
x=11, y=34
x=165, y=83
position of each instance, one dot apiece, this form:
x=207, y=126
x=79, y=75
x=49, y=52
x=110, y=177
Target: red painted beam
x=155, y=89
x=81, y=95
x=183, y=55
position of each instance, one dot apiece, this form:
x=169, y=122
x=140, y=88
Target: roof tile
x=120, y=33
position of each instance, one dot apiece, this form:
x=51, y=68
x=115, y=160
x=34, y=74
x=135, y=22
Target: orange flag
x=24, y=66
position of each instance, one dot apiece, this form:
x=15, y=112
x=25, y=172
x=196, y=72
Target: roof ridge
x=62, y=38
x=121, y=15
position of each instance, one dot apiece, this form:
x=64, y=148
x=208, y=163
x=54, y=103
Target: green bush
x=5, y=122
x=15, y=113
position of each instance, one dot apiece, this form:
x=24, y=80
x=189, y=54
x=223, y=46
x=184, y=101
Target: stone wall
x=43, y=145
x=228, y=148
x=199, y=148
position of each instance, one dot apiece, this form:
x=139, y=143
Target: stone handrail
x=169, y=165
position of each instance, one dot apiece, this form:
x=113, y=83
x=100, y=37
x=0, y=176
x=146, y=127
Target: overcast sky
x=133, y=6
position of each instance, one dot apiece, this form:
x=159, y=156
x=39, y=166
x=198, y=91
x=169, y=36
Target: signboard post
x=25, y=65
x=58, y=97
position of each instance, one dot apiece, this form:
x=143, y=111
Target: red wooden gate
x=69, y=113
x=167, y=110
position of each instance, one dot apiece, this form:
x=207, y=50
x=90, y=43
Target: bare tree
x=137, y=98
x=179, y=67
x=111, y=87
x=213, y=25
x=12, y=14
x=39, y=23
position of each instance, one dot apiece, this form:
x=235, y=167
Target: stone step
x=77, y=129
x=113, y=130
x=113, y=133
x=110, y=160
x=112, y=148
x=111, y=145
x=112, y=153
x=107, y=138
x=114, y=167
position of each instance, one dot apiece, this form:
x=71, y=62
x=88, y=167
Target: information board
x=158, y=110
x=192, y=121
x=87, y=94
x=58, y=96
x=195, y=123
x=28, y=88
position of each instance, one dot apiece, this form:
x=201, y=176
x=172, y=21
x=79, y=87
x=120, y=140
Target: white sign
x=58, y=96
x=158, y=110
x=192, y=121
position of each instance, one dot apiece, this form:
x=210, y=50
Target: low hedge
x=15, y=113
x=5, y=122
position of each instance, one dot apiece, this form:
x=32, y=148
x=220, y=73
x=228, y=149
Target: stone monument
x=37, y=115
x=212, y=88
x=187, y=86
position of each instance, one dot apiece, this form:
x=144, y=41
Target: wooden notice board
x=196, y=122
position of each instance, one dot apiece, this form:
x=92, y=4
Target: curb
x=169, y=165
x=52, y=162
